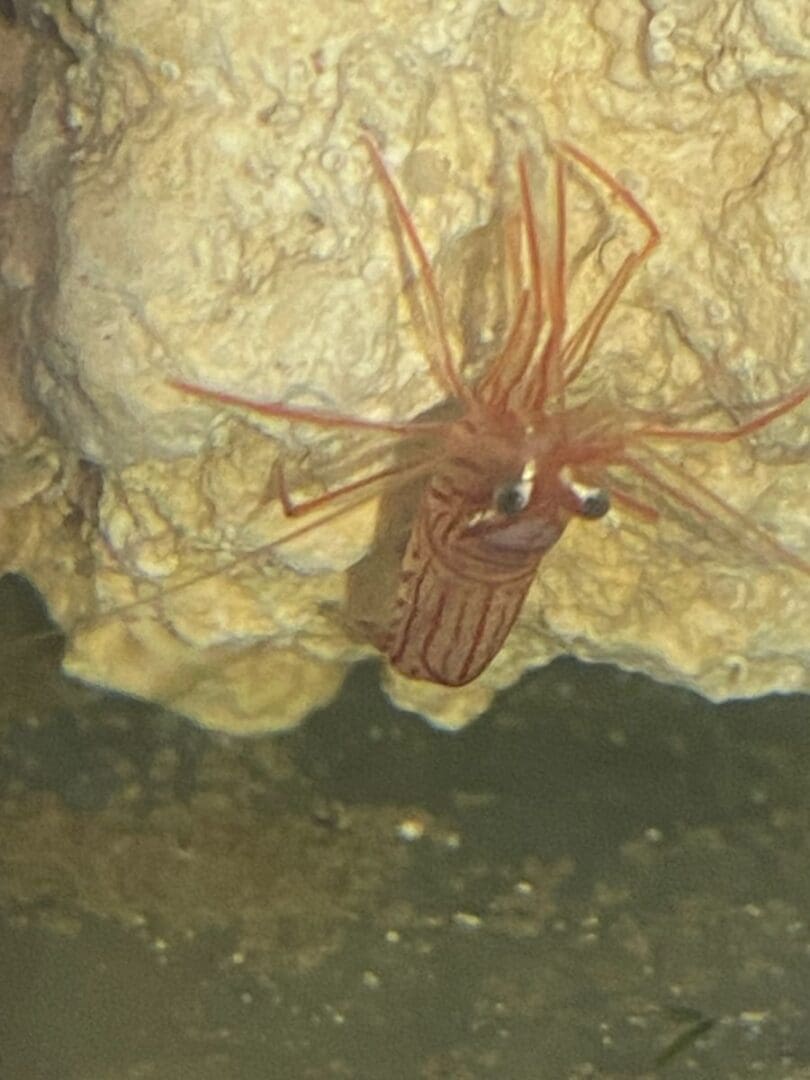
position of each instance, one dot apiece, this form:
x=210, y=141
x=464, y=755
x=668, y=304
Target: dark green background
x=611, y=873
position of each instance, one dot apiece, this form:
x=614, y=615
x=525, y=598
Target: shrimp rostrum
x=525, y=452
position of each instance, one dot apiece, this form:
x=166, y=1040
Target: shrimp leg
x=578, y=348
x=318, y=417
x=747, y=428
x=278, y=485
x=445, y=368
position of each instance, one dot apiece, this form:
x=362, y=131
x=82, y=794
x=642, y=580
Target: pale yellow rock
x=217, y=220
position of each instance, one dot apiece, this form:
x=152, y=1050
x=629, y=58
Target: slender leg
x=578, y=348
x=637, y=506
x=277, y=485
x=318, y=417
x=558, y=314
x=509, y=368
x=399, y=476
x=536, y=273
x=551, y=382
x=760, y=539
x=492, y=387
x=533, y=243
x=513, y=244
x=445, y=369
x=750, y=426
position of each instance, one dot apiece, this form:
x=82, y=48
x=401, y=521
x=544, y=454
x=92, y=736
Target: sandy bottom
x=601, y=874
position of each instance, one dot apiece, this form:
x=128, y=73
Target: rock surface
x=189, y=199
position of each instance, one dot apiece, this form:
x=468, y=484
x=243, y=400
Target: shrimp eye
x=511, y=498
x=595, y=505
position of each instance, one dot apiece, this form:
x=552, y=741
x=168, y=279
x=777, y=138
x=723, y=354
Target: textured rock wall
x=199, y=207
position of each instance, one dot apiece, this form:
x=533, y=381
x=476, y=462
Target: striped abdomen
x=453, y=613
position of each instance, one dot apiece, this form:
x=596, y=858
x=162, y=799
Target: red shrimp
x=523, y=458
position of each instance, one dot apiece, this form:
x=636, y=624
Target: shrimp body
x=495, y=505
